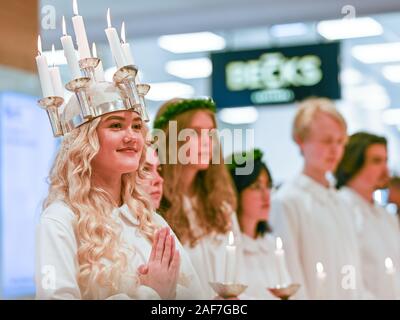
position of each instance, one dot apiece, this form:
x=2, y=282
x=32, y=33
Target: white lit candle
x=99, y=71
x=283, y=274
x=391, y=273
x=125, y=47
x=80, y=33
x=69, y=52
x=114, y=42
x=43, y=70
x=55, y=77
x=321, y=279
x=230, y=262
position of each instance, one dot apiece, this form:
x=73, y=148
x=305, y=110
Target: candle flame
x=388, y=263
x=94, y=50
x=64, y=27
x=39, y=45
x=108, y=18
x=231, y=238
x=75, y=7
x=320, y=267
x=123, y=32
x=279, y=243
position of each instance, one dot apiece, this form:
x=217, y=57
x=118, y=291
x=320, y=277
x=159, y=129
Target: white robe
x=379, y=237
x=57, y=262
x=209, y=253
x=260, y=264
x=315, y=226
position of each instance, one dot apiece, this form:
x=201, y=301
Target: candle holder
x=78, y=86
x=143, y=89
x=284, y=293
x=88, y=66
x=124, y=79
x=228, y=290
x=51, y=105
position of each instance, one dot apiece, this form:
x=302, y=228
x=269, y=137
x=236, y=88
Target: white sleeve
x=285, y=224
x=56, y=261
x=142, y=293
x=57, y=264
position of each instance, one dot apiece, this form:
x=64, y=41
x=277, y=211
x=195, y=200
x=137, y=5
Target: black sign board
x=275, y=75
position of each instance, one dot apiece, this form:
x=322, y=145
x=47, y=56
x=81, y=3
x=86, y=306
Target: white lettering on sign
x=273, y=71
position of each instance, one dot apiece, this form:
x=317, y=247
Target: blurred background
x=256, y=58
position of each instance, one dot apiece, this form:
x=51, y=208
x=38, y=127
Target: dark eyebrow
x=138, y=118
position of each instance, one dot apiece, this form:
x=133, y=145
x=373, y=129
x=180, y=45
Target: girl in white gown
x=253, y=194
x=198, y=199
x=97, y=237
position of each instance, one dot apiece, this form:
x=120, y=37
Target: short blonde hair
x=306, y=113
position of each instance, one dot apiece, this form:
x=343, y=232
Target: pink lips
x=128, y=150
x=156, y=194
x=266, y=206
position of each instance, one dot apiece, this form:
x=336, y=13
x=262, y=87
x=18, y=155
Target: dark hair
x=262, y=228
x=242, y=182
x=354, y=156
x=394, y=181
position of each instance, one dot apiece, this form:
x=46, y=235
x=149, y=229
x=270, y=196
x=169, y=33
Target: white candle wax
x=99, y=70
x=391, y=274
x=114, y=43
x=69, y=53
x=283, y=274
x=138, y=78
x=56, y=78
x=126, y=49
x=321, y=279
x=56, y=81
x=127, y=53
x=230, y=262
x=80, y=33
x=44, y=74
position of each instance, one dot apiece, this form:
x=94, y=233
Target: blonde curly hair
x=98, y=235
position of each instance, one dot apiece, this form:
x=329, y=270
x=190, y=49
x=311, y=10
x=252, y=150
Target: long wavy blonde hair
x=98, y=235
x=213, y=187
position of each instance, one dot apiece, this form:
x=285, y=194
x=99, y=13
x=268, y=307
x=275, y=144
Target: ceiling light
x=351, y=77
x=190, y=68
x=161, y=91
x=242, y=115
x=349, y=28
x=192, y=42
x=392, y=73
x=288, y=30
x=377, y=53
x=391, y=117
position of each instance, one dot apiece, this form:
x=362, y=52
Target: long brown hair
x=355, y=155
x=213, y=187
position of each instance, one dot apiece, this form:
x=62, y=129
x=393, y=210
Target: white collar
x=374, y=207
x=308, y=182
x=258, y=245
x=317, y=190
x=126, y=213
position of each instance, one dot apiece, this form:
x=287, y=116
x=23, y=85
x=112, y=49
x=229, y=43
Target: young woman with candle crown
x=98, y=237
x=198, y=199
